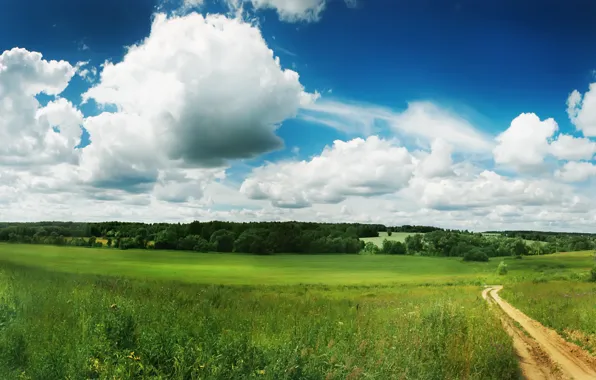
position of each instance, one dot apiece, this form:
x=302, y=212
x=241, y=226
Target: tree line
x=293, y=237
x=480, y=246
x=214, y=236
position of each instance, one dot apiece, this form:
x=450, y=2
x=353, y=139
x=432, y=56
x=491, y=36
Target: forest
x=294, y=237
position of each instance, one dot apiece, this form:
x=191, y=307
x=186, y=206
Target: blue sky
x=464, y=87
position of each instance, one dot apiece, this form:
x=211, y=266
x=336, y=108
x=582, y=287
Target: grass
x=70, y=312
x=240, y=269
x=395, y=236
x=567, y=307
x=59, y=325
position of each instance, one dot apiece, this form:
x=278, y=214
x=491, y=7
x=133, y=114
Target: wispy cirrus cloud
x=422, y=121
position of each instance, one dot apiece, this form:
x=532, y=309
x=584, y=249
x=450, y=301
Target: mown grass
x=568, y=307
x=395, y=236
x=57, y=325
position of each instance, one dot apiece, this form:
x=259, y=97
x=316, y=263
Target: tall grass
x=568, y=307
x=57, y=326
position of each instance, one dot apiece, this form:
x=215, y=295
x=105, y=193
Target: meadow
x=71, y=312
x=60, y=325
x=242, y=269
x=395, y=236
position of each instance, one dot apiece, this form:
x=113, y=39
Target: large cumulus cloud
x=197, y=92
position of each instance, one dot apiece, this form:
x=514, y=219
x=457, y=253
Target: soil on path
x=543, y=353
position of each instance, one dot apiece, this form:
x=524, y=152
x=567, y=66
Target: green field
x=395, y=236
x=69, y=312
x=213, y=268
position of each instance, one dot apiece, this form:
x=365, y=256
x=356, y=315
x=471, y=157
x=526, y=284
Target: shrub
x=593, y=274
x=502, y=269
x=475, y=255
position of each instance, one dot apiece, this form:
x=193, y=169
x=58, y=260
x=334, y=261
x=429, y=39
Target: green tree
x=223, y=240
x=393, y=247
x=414, y=244
x=370, y=248
x=520, y=248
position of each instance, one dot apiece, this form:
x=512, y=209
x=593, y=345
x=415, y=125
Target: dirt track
x=543, y=353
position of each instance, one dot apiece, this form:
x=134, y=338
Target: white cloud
x=198, y=92
x=293, y=10
x=354, y=168
x=438, y=163
x=421, y=120
x=582, y=110
x=188, y=4
x=525, y=143
x=86, y=71
x=567, y=147
x=30, y=133
x=486, y=190
x=575, y=171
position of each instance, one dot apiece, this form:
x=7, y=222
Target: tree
x=252, y=241
x=166, y=239
x=222, y=241
x=414, y=244
x=370, y=248
x=520, y=248
x=393, y=247
x=502, y=268
x=475, y=254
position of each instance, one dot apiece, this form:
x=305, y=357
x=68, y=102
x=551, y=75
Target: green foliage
x=222, y=241
x=502, y=269
x=592, y=277
x=393, y=247
x=414, y=243
x=91, y=327
x=370, y=249
x=475, y=254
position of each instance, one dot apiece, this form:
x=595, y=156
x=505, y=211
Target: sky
x=465, y=114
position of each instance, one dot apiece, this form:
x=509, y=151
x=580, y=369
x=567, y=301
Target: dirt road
x=543, y=353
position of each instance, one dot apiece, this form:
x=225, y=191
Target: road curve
x=543, y=354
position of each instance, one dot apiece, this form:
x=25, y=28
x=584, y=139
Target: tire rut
x=542, y=352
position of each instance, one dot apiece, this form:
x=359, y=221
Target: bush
x=593, y=274
x=475, y=255
x=502, y=269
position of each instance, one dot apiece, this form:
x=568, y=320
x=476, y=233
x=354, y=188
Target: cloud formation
x=32, y=133
x=352, y=168
x=196, y=93
x=186, y=105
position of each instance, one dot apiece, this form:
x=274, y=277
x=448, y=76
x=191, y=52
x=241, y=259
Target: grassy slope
x=212, y=268
x=401, y=236
x=395, y=236
x=59, y=325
